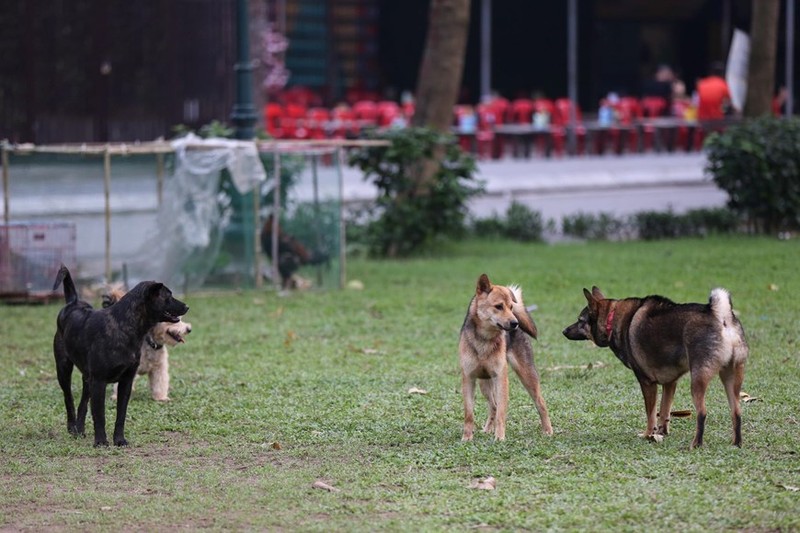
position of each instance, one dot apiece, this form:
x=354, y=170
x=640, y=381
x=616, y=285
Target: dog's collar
x=151, y=342
x=610, y=323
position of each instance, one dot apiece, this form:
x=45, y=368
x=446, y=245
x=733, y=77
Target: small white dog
x=154, y=355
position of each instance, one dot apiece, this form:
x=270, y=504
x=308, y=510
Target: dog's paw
x=119, y=442
x=653, y=437
x=99, y=443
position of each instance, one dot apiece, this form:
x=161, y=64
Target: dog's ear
x=525, y=320
x=154, y=290
x=592, y=301
x=597, y=293
x=484, y=285
x=588, y=295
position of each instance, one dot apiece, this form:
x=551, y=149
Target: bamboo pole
x=160, y=177
x=256, y=234
x=6, y=212
x=107, y=194
x=342, y=228
x=276, y=212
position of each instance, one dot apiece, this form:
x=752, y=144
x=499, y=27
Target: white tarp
x=194, y=213
x=736, y=69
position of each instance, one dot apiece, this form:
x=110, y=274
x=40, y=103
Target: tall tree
x=761, y=65
x=442, y=63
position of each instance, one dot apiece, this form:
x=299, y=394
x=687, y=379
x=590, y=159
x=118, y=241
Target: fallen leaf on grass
x=684, y=413
x=746, y=398
x=790, y=488
x=415, y=390
x=773, y=287
x=489, y=483
x=276, y=446
x=319, y=484
x=289, y=339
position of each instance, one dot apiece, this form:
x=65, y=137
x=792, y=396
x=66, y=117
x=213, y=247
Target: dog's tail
x=720, y=302
x=524, y=318
x=70, y=294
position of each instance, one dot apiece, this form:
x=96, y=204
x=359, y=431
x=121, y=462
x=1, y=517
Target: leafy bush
x=711, y=221
x=758, y=164
x=519, y=223
x=600, y=227
x=653, y=225
x=411, y=211
x=523, y=223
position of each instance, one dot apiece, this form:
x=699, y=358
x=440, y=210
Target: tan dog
x=492, y=337
x=154, y=359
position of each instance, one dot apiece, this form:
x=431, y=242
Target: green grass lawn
x=273, y=393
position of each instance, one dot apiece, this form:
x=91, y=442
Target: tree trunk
x=440, y=78
x=442, y=64
x=761, y=65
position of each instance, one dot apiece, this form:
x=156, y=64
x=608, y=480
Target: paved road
x=555, y=187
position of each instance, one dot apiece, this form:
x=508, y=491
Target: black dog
x=105, y=346
x=661, y=341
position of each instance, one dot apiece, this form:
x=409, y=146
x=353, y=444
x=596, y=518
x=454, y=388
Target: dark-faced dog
x=105, y=346
x=492, y=337
x=661, y=340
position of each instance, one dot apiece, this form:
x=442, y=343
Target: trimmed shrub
x=758, y=164
x=523, y=223
x=410, y=213
x=600, y=227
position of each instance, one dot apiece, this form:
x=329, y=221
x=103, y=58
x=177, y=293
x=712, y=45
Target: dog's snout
x=188, y=328
x=513, y=324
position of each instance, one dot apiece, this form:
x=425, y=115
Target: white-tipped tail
x=720, y=301
x=516, y=290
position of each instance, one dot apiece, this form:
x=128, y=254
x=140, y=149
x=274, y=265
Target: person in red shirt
x=713, y=94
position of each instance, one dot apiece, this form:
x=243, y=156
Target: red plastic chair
x=294, y=122
x=366, y=111
x=346, y=124
x=316, y=122
x=273, y=114
x=682, y=134
x=561, y=120
x=489, y=145
x=653, y=106
x=521, y=111
x=629, y=113
x=387, y=112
